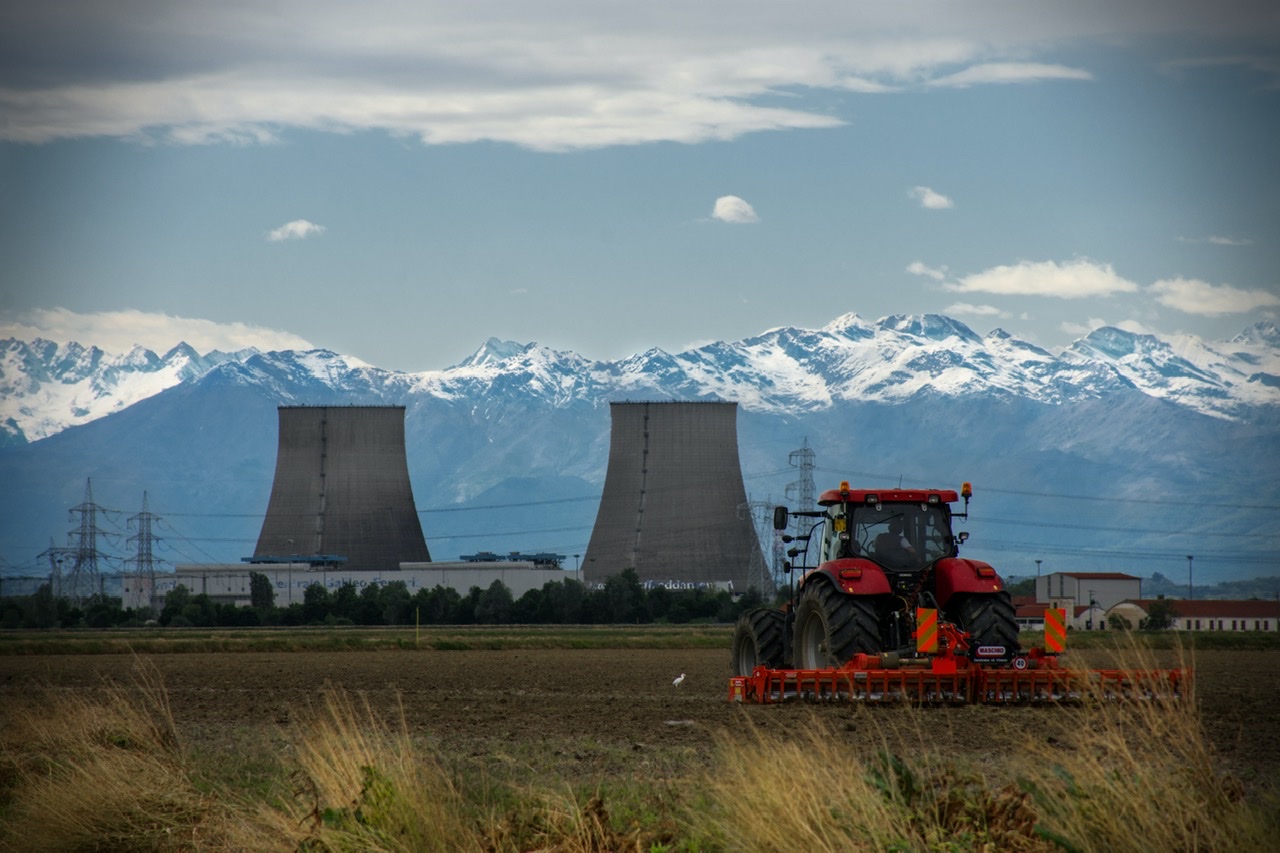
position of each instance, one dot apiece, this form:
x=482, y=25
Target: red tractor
x=881, y=554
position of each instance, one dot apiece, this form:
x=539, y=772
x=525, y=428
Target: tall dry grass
x=817, y=789
x=361, y=784
x=107, y=772
x=111, y=771
x=1107, y=775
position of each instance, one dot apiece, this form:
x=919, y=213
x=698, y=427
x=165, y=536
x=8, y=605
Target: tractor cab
x=901, y=530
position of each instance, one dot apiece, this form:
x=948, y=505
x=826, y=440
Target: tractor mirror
x=963, y=536
x=780, y=518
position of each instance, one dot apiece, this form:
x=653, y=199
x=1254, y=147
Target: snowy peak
x=46, y=387
x=1265, y=333
x=849, y=325
x=928, y=327
x=494, y=351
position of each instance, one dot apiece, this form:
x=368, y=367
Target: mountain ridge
x=1125, y=455
x=47, y=387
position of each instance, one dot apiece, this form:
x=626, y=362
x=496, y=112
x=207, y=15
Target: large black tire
x=832, y=627
x=989, y=619
x=758, y=640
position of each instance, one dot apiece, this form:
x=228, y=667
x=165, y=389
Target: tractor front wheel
x=758, y=640
x=989, y=619
x=832, y=627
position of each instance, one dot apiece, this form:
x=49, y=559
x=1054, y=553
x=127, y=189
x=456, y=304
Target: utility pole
x=762, y=517
x=57, y=556
x=1191, y=589
x=85, y=580
x=143, y=560
x=802, y=488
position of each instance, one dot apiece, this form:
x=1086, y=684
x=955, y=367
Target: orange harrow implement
x=951, y=677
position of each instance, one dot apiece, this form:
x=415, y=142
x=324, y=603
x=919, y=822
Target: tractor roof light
x=844, y=489
x=873, y=499
x=966, y=490
x=935, y=499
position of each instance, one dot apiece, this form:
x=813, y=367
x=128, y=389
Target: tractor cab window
x=902, y=537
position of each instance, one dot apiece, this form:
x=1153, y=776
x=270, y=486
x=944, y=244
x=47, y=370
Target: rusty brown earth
x=593, y=715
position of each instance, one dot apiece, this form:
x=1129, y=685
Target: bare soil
x=601, y=715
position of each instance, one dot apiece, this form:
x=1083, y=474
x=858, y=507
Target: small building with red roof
x=1202, y=614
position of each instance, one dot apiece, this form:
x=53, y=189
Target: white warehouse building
x=228, y=583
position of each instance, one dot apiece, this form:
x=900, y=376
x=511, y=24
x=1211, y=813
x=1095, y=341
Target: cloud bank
x=555, y=75
x=119, y=331
x=1192, y=296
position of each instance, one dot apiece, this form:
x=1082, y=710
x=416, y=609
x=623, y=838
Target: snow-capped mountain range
x=1121, y=452
x=46, y=388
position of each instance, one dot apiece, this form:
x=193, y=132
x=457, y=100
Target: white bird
x=679, y=680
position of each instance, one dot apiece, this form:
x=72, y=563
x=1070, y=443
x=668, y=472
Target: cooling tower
x=673, y=506
x=342, y=489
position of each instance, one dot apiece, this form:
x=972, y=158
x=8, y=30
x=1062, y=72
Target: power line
x=1055, y=495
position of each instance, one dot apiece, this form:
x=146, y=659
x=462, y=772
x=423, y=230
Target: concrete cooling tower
x=342, y=489
x=673, y=506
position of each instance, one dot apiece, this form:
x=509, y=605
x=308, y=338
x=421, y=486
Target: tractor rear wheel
x=989, y=619
x=832, y=627
x=758, y=640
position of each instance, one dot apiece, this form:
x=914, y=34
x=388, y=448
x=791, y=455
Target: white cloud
x=930, y=199
x=1216, y=240
x=920, y=268
x=1082, y=329
x=555, y=75
x=118, y=331
x=298, y=229
x=1192, y=296
x=1074, y=280
x=965, y=308
x=730, y=208
x=1009, y=72
x=1093, y=323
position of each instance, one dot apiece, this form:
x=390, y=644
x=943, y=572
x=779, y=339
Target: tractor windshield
x=903, y=537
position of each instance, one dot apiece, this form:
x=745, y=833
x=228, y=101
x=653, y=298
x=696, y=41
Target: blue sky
x=399, y=181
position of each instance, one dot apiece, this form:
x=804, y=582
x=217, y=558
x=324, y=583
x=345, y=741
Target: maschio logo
x=989, y=652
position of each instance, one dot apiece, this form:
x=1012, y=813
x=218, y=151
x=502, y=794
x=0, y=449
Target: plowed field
x=594, y=714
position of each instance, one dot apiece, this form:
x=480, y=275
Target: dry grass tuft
x=551, y=823
x=362, y=785
x=103, y=773
x=812, y=788
x=1103, y=775
x=1140, y=775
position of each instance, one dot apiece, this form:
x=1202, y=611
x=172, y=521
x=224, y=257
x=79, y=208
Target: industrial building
x=341, y=490
x=673, y=506
x=228, y=583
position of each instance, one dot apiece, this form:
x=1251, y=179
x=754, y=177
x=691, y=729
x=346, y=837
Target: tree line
x=621, y=599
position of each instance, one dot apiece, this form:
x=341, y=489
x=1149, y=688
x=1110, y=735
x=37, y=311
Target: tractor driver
x=893, y=548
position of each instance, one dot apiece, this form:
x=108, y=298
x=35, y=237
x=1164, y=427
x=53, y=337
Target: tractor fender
x=957, y=576
x=854, y=576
